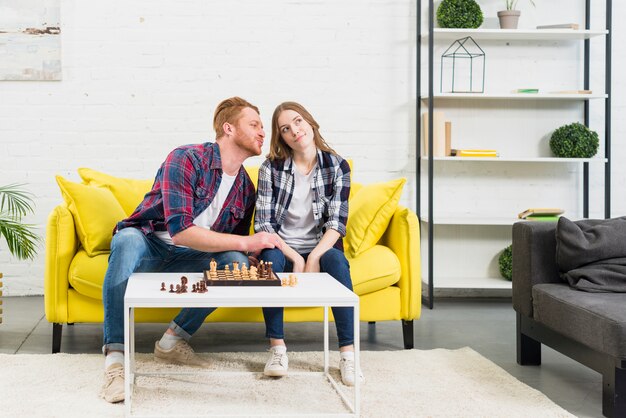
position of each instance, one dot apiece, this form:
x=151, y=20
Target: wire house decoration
x=463, y=59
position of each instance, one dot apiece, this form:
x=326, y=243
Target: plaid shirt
x=331, y=188
x=185, y=186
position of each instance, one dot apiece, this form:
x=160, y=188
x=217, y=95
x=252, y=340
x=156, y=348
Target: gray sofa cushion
x=597, y=320
x=592, y=256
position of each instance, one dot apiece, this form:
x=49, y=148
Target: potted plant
x=459, y=14
x=574, y=141
x=510, y=17
x=20, y=237
x=505, y=262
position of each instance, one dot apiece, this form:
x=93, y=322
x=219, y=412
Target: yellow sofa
x=385, y=272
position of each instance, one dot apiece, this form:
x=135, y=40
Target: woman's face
x=295, y=130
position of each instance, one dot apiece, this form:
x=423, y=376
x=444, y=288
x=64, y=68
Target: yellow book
x=476, y=153
x=540, y=212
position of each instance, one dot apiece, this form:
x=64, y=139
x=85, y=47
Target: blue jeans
x=332, y=262
x=132, y=251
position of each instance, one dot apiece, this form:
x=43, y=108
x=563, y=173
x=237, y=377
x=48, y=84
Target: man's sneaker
x=113, y=389
x=346, y=367
x=181, y=353
x=278, y=363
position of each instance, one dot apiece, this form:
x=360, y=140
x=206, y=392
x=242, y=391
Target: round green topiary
x=506, y=263
x=459, y=14
x=574, y=141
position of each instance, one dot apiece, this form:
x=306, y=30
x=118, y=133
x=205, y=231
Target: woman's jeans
x=333, y=262
x=131, y=252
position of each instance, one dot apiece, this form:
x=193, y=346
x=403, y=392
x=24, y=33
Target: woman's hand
x=298, y=264
x=312, y=264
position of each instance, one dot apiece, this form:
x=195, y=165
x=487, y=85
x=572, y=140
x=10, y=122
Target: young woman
x=303, y=197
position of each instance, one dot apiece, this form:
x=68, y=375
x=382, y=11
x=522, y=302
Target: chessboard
x=263, y=276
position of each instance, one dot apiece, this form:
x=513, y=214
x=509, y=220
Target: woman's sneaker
x=346, y=367
x=278, y=363
x=113, y=389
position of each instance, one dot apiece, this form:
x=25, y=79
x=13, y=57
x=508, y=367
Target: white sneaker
x=278, y=363
x=346, y=367
x=113, y=389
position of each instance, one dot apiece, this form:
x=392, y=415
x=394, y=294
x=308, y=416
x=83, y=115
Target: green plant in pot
x=505, y=262
x=574, y=141
x=15, y=203
x=509, y=18
x=459, y=14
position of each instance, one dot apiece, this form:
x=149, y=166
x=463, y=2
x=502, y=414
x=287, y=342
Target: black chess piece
x=172, y=289
x=163, y=287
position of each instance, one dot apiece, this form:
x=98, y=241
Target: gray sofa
x=588, y=327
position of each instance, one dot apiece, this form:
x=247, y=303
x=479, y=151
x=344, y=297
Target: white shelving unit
x=487, y=232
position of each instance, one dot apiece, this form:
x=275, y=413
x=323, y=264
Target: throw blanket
x=591, y=254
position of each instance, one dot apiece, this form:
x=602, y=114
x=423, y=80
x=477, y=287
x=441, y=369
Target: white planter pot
x=508, y=19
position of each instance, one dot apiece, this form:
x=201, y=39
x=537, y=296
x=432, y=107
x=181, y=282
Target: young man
x=200, y=207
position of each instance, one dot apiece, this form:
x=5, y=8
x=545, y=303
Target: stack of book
x=541, y=214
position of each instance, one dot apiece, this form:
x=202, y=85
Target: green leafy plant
x=21, y=238
x=459, y=14
x=574, y=141
x=511, y=4
x=505, y=262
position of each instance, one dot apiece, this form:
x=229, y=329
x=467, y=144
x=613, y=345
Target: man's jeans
x=132, y=251
x=332, y=262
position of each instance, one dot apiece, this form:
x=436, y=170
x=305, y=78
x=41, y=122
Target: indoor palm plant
x=510, y=17
x=21, y=239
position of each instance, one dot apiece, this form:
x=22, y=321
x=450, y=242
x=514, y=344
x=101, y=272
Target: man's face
x=248, y=133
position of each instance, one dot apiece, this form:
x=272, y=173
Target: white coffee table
x=313, y=289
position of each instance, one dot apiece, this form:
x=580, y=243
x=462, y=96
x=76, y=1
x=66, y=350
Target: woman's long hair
x=279, y=150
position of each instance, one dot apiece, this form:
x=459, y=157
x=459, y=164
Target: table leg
x=357, y=361
x=128, y=312
x=326, y=339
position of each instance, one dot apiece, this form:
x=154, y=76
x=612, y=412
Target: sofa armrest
x=61, y=246
x=534, y=261
x=403, y=238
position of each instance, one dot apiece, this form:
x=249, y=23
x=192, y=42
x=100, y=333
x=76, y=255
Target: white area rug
x=409, y=383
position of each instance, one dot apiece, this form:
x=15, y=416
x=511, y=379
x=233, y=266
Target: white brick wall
x=142, y=77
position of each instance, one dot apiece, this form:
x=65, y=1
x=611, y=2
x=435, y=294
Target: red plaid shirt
x=185, y=186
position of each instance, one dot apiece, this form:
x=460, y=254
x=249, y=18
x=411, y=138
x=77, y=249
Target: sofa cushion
x=95, y=211
x=369, y=214
x=597, y=320
x=86, y=274
x=374, y=269
x=128, y=192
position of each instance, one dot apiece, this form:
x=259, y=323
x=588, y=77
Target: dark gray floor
x=487, y=326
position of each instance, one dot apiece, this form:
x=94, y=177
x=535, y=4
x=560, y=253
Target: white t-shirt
x=209, y=215
x=299, y=227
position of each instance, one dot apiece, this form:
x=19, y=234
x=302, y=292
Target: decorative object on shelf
x=573, y=26
x=505, y=262
x=463, y=59
x=439, y=134
x=14, y=204
x=459, y=14
x=574, y=141
x=509, y=18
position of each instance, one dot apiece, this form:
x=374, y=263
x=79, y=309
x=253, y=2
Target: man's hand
x=262, y=240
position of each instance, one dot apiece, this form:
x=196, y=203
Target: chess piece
x=236, y=271
x=177, y=288
x=270, y=274
x=253, y=273
x=244, y=272
x=163, y=289
x=172, y=289
x=193, y=288
x=213, y=265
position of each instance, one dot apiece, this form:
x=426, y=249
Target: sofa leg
x=371, y=323
x=614, y=392
x=528, y=349
x=407, y=334
x=57, y=330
